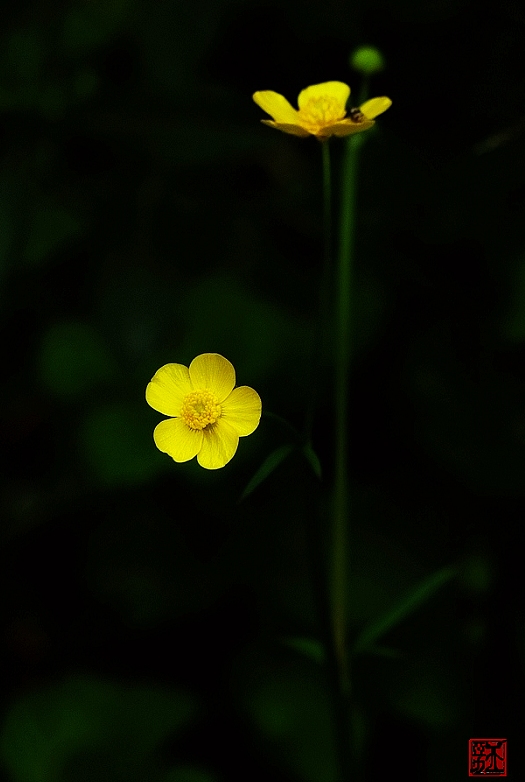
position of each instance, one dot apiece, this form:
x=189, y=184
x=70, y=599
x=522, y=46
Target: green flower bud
x=367, y=60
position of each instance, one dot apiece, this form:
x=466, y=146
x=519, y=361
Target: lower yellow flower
x=322, y=111
x=208, y=414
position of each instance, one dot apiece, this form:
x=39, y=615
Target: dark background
x=147, y=216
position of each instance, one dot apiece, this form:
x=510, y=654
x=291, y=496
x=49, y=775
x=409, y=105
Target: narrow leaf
x=282, y=422
x=308, y=647
x=419, y=595
x=267, y=467
x=313, y=460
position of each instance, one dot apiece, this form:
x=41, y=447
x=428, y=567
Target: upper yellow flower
x=209, y=413
x=322, y=110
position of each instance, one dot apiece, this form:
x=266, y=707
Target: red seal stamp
x=487, y=758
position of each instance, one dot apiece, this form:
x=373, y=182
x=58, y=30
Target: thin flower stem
x=343, y=346
x=316, y=526
x=327, y=205
x=316, y=542
x=340, y=704
x=334, y=619
x=324, y=292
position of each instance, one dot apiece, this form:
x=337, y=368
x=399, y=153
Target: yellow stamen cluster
x=199, y=409
x=321, y=111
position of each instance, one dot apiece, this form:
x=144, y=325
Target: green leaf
x=419, y=595
x=282, y=422
x=267, y=467
x=308, y=647
x=67, y=729
x=313, y=460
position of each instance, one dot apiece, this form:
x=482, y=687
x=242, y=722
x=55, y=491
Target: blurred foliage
x=288, y=701
x=115, y=450
x=188, y=774
x=79, y=727
x=153, y=627
x=50, y=229
x=73, y=359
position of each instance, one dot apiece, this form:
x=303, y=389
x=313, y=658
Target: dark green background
x=147, y=216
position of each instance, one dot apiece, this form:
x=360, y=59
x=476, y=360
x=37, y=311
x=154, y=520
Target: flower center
x=199, y=409
x=320, y=112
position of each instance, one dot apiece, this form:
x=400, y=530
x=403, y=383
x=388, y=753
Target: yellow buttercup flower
x=207, y=413
x=322, y=111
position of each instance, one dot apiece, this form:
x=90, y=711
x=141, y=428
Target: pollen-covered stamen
x=199, y=409
x=320, y=112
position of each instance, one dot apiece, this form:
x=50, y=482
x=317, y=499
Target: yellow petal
x=346, y=127
x=214, y=372
x=168, y=387
x=177, y=440
x=295, y=130
x=276, y=106
x=219, y=444
x=336, y=90
x=375, y=106
x=242, y=410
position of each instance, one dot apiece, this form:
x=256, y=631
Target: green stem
x=323, y=588
x=340, y=702
x=316, y=541
x=343, y=349
x=334, y=619
x=324, y=292
x=327, y=206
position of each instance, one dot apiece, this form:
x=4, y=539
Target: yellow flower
x=208, y=413
x=322, y=110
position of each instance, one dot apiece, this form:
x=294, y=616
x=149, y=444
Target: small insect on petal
x=322, y=111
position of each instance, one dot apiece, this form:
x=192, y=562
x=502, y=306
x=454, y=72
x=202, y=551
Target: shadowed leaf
x=419, y=595
x=308, y=647
x=267, y=467
x=71, y=728
x=313, y=460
